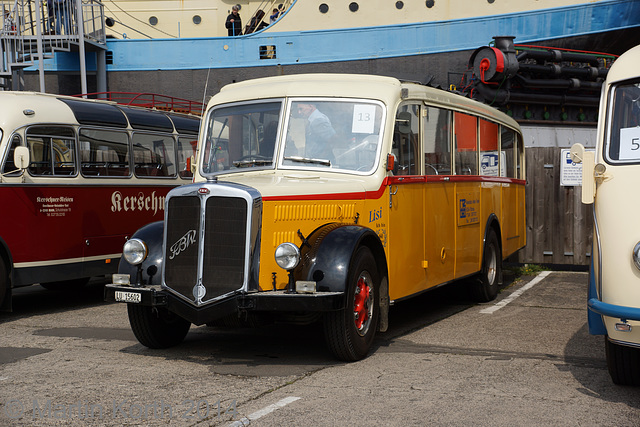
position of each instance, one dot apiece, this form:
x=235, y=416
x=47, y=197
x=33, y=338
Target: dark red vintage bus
x=78, y=177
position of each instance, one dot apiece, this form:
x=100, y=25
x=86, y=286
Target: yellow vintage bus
x=328, y=197
x=609, y=179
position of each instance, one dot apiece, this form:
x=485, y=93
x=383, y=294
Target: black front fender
x=327, y=254
x=151, y=268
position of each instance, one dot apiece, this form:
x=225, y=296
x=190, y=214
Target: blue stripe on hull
x=307, y=47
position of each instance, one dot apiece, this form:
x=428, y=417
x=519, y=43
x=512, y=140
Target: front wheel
x=623, y=363
x=349, y=332
x=157, y=327
x=485, y=286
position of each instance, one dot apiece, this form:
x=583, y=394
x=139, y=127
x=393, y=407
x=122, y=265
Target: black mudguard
x=151, y=268
x=327, y=252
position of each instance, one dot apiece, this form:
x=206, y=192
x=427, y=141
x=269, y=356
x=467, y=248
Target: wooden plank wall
x=559, y=226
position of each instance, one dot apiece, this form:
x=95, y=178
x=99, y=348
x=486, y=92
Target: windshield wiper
x=308, y=160
x=254, y=162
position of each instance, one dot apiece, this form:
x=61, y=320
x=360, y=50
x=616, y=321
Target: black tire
x=157, y=327
x=486, y=285
x=349, y=333
x=69, y=285
x=623, y=363
x=4, y=282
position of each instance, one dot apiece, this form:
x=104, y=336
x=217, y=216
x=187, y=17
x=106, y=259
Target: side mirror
x=21, y=158
x=579, y=155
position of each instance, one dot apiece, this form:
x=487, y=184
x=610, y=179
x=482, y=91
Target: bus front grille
x=202, y=271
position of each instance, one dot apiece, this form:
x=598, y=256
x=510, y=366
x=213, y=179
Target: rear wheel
x=72, y=285
x=623, y=363
x=157, y=327
x=485, y=286
x=349, y=332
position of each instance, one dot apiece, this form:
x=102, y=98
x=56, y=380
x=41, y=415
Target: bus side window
x=104, y=152
x=406, y=139
x=466, y=139
x=154, y=155
x=437, y=141
x=186, y=149
x=508, y=152
x=52, y=151
x=489, y=156
x=9, y=168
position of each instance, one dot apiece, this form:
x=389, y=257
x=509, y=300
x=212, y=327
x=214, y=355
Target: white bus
x=609, y=182
x=77, y=178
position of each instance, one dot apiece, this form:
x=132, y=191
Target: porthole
x=153, y=20
x=490, y=1
x=399, y=5
x=353, y=7
x=324, y=8
x=430, y=3
x=197, y=19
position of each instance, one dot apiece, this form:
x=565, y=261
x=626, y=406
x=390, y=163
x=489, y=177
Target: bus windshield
x=241, y=136
x=311, y=134
x=333, y=134
x=624, y=136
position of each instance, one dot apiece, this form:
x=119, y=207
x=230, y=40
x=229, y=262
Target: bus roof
x=625, y=67
x=388, y=90
x=20, y=108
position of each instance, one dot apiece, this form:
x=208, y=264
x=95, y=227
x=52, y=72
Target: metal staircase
x=36, y=29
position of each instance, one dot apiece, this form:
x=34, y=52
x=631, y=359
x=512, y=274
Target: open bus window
x=104, y=152
x=9, y=168
x=406, y=139
x=52, y=151
x=186, y=149
x=154, y=155
x=492, y=162
x=466, y=138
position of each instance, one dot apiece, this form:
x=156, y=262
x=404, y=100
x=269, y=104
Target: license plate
x=128, y=296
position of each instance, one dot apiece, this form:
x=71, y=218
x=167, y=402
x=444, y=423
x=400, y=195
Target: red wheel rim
x=363, y=303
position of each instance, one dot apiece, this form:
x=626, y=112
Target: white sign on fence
x=570, y=172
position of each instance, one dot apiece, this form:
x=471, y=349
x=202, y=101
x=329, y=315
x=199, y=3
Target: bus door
x=469, y=223
x=512, y=220
x=407, y=272
x=439, y=196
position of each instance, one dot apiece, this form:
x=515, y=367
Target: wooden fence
x=559, y=226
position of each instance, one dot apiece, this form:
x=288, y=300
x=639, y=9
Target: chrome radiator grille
x=224, y=244
x=205, y=255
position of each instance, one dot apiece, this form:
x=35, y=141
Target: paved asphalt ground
x=525, y=359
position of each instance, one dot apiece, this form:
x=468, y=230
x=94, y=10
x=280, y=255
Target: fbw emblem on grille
x=183, y=243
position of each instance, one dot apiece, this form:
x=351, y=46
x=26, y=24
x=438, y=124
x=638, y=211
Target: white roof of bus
x=385, y=89
x=626, y=66
x=46, y=109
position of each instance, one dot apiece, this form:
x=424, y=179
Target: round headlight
x=135, y=251
x=636, y=255
x=287, y=256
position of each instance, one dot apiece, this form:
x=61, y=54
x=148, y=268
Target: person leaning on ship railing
x=234, y=23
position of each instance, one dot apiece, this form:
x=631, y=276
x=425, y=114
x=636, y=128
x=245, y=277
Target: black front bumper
x=272, y=301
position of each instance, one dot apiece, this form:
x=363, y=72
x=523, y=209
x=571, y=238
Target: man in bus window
x=318, y=132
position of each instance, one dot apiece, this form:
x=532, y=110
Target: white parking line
x=245, y=421
x=497, y=306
